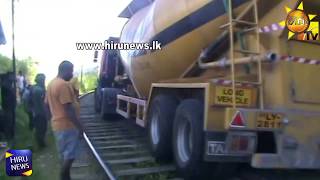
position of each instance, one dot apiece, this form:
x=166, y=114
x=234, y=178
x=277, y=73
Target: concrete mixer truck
x=227, y=86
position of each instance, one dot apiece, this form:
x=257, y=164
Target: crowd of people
x=33, y=101
x=57, y=104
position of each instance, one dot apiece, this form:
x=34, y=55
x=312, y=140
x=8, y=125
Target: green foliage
x=89, y=81
x=26, y=66
x=45, y=162
x=5, y=64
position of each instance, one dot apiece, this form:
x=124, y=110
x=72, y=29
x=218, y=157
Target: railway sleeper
x=145, y=171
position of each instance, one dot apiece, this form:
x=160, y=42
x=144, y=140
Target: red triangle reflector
x=238, y=120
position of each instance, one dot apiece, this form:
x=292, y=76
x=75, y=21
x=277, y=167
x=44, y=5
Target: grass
x=45, y=162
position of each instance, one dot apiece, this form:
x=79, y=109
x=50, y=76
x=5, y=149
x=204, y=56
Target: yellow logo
x=297, y=21
x=300, y=24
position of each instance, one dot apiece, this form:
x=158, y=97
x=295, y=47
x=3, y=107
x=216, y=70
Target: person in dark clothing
x=37, y=95
x=2, y=117
x=8, y=103
x=27, y=104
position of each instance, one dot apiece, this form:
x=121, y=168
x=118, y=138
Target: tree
x=5, y=64
x=89, y=81
x=27, y=66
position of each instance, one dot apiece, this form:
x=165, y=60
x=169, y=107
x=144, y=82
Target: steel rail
x=103, y=164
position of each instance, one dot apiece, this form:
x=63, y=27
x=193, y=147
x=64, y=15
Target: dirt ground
x=45, y=162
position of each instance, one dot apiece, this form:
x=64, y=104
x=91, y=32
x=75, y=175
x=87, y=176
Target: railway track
x=121, y=149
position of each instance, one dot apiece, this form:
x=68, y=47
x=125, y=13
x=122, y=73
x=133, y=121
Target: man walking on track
x=65, y=117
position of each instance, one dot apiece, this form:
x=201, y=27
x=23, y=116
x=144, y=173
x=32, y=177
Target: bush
x=89, y=82
x=5, y=64
x=26, y=66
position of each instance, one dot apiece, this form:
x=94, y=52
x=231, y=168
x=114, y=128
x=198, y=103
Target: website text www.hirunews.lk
x=110, y=45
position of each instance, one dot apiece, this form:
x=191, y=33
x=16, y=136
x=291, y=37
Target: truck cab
x=112, y=81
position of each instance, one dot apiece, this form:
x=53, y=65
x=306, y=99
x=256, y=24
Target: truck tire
x=109, y=103
x=160, y=121
x=97, y=101
x=188, y=140
x=188, y=145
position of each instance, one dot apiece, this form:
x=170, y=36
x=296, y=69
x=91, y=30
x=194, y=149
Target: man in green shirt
x=38, y=93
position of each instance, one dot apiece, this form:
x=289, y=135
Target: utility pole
x=14, y=68
x=81, y=80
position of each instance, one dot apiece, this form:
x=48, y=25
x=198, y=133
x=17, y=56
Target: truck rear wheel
x=188, y=145
x=97, y=101
x=188, y=139
x=160, y=121
x=109, y=103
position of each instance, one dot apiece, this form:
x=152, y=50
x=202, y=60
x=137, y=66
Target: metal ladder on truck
x=237, y=24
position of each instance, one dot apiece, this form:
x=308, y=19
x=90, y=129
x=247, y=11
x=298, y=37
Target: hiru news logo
x=301, y=25
x=18, y=162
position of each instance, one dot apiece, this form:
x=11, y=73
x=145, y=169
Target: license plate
x=224, y=96
x=269, y=120
x=216, y=148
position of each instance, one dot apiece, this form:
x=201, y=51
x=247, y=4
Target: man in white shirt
x=20, y=83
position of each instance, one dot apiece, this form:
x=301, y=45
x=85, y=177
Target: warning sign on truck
x=223, y=96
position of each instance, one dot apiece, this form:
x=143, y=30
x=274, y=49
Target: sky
x=47, y=30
